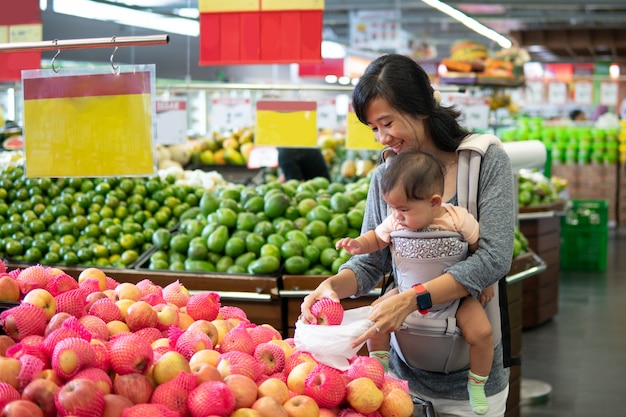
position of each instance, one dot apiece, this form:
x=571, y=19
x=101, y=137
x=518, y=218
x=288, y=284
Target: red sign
x=19, y=24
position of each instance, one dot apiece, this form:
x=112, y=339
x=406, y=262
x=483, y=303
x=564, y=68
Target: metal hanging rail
x=271, y=87
x=113, y=41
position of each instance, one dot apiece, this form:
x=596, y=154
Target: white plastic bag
x=331, y=345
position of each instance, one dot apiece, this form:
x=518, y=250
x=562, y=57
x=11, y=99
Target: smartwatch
x=424, y=303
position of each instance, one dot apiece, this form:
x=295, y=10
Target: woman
x=395, y=99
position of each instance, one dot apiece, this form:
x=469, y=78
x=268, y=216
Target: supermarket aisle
x=581, y=352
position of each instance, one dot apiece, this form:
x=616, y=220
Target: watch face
x=424, y=301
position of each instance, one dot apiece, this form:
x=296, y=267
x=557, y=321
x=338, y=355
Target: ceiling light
x=126, y=16
x=470, y=23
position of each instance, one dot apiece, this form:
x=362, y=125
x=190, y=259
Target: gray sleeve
x=496, y=215
x=370, y=268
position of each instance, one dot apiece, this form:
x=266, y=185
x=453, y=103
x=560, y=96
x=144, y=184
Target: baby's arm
x=367, y=243
x=487, y=294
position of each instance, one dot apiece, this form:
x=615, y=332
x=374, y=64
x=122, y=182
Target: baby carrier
x=433, y=342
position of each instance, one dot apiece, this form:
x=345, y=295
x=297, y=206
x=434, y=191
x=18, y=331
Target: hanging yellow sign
x=286, y=123
x=88, y=125
x=359, y=136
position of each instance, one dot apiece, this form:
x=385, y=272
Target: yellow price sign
x=4, y=34
x=286, y=124
x=267, y=5
x=359, y=136
x=221, y=6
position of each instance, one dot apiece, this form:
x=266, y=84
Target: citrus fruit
x=254, y=242
x=217, y=239
x=338, y=226
x=234, y=247
x=296, y=265
x=328, y=256
x=276, y=204
x=316, y=228
x=226, y=217
x=264, y=265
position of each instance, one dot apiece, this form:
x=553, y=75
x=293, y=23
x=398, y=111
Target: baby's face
x=410, y=214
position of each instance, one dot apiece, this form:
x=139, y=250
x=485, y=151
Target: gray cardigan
x=492, y=261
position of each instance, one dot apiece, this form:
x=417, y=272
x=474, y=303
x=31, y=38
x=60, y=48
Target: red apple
x=56, y=321
x=80, y=396
x=93, y=297
x=42, y=392
x=140, y=315
x=135, y=387
x=114, y=405
x=207, y=328
x=9, y=289
x=301, y=406
x=167, y=315
x=22, y=408
x=206, y=372
x=243, y=388
x=50, y=375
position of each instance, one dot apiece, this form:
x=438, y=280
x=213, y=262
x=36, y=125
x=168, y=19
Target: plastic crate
x=584, y=248
x=586, y=213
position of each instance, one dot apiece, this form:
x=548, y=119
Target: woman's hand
x=388, y=314
x=324, y=290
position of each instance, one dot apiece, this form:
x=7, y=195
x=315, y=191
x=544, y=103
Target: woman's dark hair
x=404, y=84
x=419, y=173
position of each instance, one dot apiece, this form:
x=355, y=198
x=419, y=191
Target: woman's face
x=393, y=129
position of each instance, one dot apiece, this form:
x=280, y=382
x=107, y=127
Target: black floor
x=581, y=352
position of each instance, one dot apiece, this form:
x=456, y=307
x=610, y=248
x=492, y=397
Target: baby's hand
x=350, y=245
x=486, y=295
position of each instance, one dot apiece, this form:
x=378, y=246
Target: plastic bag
x=331, y=345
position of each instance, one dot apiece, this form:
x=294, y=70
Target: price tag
x=327, y=114
x=583, y=93
x=286, y=123
x=358, y=135
x=171, y=121
x=4, y=34
x=230, y=113
x=557, y=93
x=263, y=156
x=608, y=93
x=26, y=33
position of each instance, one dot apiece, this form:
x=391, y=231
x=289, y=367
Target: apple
x=327, y=312
x=115, y=404
x=206, y=327
x=245, y=412
x=9, y=371
x=93, y=297
x=93, y=273
x=135, y=387
x=127, y=291
x=117, y=326
x=275, y=388
x=22, y=408
x=327, y=412
x=56, y=321
x=396, y=403
x=168, y=366
x=363, y=395
x=285, y=346
x=206, y=372
x=243, y=388
x=223, y=327
x=301, y=406
x=211, y=398
x=297, y=376
x=80, y=396
x=167, y=315
x=161, y=342
x=42, y=392
x=111, y=294
x=269, y=407
x=209, y=356
x=50, y=375
x=184, y=320
x=43, y=299
x=9, y=289
x=123, y=305
x=271, y=356
x=141, y=315
x=5, y=343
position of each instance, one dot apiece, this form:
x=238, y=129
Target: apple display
x=301, y=406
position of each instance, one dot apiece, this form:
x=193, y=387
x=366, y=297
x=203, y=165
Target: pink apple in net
x=275, y=388
x=203, y=306
x=236, y=362
x=301, y=406
x=176, y=293
x=95, y=326
x=21, y=408
x=42, y=299
x=206, y=372
x=149, y=333
x=396, y=403
x=72, y=301
x=99, y=376
x=368, y=367
x=243, y=388
x=298, y=375
x=61, y=283
x=9, y=289
x=115, y=404
x=168, y=366
x=55, y=322
x=269, y=407
x=148, y=287
x=327, y=312
x=173, y=394
x=207, y=328
x=326, y=386
x=127, y=291
x=80, y=397
x=8, y=393
x=143, y=410
x=106, y=309
x=297, y=358
x=70, y=355
x=96, y=274
x=140, y=315
x=93, y=297
x=390, y=382
x=31, y=277
x=263, y=333
x=190, y=342
x=42, y=392
x=238, y=339
x=130, y=353
x=363, y=395
x=135, y=387
x=212, y=398
x=23, y=320
x=271, y=356
x=209, y=356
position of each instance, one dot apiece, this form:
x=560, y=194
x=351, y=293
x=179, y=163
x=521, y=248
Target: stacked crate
x=584, y=235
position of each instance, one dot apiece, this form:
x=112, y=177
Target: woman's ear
x=435, y=200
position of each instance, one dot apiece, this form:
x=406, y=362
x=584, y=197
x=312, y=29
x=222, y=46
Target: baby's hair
x=420, y=175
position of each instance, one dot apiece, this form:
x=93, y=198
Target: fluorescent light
x=334, y=50
x=470, y=23
x=125, y=16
